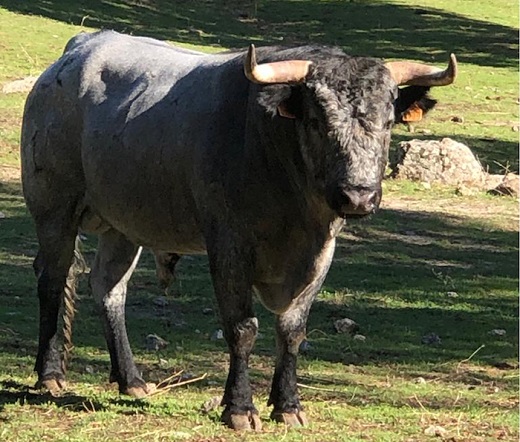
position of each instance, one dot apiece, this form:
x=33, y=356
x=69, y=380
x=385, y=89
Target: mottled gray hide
x=149, y=145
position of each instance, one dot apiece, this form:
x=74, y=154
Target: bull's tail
x=78, y=267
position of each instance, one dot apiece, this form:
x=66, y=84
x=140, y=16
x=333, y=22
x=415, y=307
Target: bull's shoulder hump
x=114, y=51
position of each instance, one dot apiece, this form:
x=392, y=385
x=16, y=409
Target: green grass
x=391, y=273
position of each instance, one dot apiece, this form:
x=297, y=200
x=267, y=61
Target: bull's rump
x=132, y=124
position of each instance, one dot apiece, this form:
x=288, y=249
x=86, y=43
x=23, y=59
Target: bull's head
x=344, y=109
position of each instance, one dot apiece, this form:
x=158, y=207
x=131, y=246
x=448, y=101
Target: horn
x=418, y=74
x=290, y=71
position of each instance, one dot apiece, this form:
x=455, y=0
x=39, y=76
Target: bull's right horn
x=290, y=71
x=418, y=74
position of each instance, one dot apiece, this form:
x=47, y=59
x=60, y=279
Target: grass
x=391, y=273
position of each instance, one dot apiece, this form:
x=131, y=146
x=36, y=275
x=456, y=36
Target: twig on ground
x=420, y=404
x=169, y=378
x=470, y=357
x=328, y=390
x=169, y=387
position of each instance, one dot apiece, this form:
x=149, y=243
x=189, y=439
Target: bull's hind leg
x=52, y=267
x=115, y=261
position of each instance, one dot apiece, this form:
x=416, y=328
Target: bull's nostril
x=361, y=201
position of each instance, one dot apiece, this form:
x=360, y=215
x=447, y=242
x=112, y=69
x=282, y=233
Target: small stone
x=360, y=338
x=426, y=185
x=210, y=405
x=457, y=119
x=207, y=311
x=305, y=346
x=179, y=348
x=346, y=325
x=89, y=369
x=154, y=342
x=161, y=301
x=197, y=331
x=420, y=380
x=431, y=339
x=497, y=332
x=217, y=335
x=452, y=294
x=2, y=215
x=435, y=430
x=186, y=376
x=463, y=190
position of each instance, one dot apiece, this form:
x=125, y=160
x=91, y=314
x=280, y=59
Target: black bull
x=257, y=165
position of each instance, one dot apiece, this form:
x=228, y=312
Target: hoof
x=141, y=391
x=53, y=386
x=242, y=422
x=298, y=419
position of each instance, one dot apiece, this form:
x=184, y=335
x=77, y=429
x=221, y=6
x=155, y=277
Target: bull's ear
x=412, y=104
x=291, y=107
x=282, y=100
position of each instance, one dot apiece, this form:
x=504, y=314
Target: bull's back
x=140, y=119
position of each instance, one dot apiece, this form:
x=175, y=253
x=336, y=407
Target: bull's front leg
x=231, y=279
x=290, y=332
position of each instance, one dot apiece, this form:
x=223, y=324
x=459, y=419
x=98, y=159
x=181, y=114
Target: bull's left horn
x=290, y=71
x=418, y=74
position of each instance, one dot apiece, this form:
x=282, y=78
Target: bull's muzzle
x=356, y=202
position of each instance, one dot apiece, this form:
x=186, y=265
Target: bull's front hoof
x=140, y=391
x=53, y=385
x=298, y=419
x=242, y=422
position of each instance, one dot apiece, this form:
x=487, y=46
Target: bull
x=257, y=164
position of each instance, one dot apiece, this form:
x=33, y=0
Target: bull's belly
x=147, y=228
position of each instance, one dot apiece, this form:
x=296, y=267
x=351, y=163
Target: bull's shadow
x=362, y=28
x=391, y=273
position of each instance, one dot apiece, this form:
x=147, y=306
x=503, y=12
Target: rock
x=463, y=190
x=89, y=369
x=420, y=380
x=431, y=339
x=346, y=325
x=217, y=335
x=435, y=430
x=186, y=376
x=452, y=294
x=452, y=163
x=305, y=346
x=2, y=215
x=155, y=343
x=497, y=332
x=207, y=311
x=457, y=119
x=445, y=161
x=210, y=405
x=509, y=186
x=359, y=338
x=161, y=301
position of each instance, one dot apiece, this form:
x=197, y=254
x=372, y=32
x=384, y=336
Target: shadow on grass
x=362, y=28
x=391, y=274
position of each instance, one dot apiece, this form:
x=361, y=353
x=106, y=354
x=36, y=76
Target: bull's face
x=344, y=125
x=343, y=109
